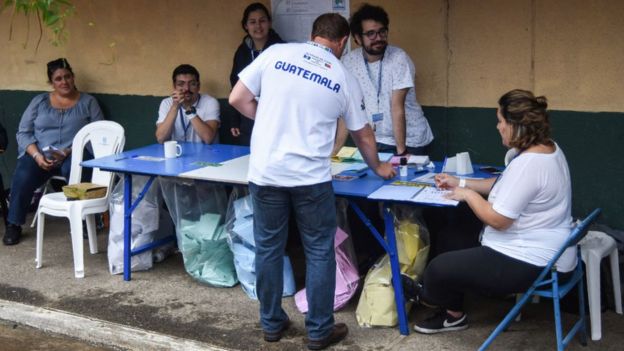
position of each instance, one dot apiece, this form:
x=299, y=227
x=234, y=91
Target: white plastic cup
x=172, y=149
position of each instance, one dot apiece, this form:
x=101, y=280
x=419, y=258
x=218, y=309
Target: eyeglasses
x=372, y=34
x=182, y=83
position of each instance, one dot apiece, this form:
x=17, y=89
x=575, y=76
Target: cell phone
x=491, y=170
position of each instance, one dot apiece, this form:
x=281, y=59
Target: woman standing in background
x=257, y=24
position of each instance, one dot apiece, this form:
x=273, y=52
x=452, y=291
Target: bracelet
x=34, y=156
x=462, y=182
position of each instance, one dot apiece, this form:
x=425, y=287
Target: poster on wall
x=293, y=19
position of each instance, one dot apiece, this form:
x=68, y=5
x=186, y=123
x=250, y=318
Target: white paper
x=395, y=193
x=433, y=195
x=418, y=160
x=150, y=158
x=339, y=167
x=231, y=171
x=293, y=19
x=427, y=178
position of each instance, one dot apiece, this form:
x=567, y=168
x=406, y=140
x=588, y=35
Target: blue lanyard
x=370, y=76
x=181, y=117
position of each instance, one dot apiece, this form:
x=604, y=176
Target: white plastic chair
x=44, y=190
x=107, y=138
x=594, y=247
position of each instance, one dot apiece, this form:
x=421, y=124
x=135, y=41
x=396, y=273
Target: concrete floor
x=165, y=300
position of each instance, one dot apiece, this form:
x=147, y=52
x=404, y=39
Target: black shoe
x=441, y=322
x=338, y=333
x=411, y=288
x=12, y=234
x=277, y=335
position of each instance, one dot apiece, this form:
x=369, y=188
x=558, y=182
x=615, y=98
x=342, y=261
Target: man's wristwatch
x=191, y=112
x=402, y=153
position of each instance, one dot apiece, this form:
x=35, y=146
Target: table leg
x=396, y=271
x=391, y=248
x=127, y=225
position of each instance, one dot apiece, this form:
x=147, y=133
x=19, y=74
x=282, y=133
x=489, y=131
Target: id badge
x=377, y=117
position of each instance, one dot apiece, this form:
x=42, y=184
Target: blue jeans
x=28, y=176
x=315, y=213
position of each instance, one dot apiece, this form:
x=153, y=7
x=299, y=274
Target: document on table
x=339, y=167
x=231, y=171
x=411, y=193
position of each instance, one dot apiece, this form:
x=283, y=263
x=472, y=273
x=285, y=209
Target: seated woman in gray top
x=44, y=140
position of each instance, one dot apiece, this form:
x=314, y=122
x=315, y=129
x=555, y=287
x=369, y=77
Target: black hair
x=368, y=12
x=330, y=26
x=185, y=69
x=256, y=6
x=56, y=64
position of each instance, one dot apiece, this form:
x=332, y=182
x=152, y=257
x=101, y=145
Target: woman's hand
x=459, y=194
x=44, y=163
x=235, y=132
x=445, y=181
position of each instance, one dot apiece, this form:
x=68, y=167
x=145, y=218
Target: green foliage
x=50, y=13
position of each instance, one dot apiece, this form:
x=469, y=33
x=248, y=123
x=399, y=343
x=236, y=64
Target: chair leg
x=77, y=244
x=91, y=232
x=39, y=244
x=592, y=266
x=557, y=310
x=615, y=276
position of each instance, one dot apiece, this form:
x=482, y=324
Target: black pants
x=480, y=270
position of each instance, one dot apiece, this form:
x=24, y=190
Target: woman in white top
x=527, y=217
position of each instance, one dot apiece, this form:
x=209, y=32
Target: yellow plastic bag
x=377, y=306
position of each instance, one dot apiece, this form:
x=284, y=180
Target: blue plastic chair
x=547, y=285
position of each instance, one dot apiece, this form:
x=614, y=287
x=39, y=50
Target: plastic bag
x=148, y=224
x=347, y=276
x=198, y=211
x=239, y=226
x=377, y=306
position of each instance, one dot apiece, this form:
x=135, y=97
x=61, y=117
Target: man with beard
x=186, y=115
x=386, y=75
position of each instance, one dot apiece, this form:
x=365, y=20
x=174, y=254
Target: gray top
x=45, y=125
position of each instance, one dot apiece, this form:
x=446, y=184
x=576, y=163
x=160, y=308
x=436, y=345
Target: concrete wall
x=467, y=52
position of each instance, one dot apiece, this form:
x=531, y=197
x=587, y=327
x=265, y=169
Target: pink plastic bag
x=347, y=277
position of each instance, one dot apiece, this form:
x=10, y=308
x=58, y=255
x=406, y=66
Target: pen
x=124, y=157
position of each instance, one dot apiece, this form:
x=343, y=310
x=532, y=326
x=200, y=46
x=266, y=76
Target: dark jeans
x=315, y=212
x=28, y=176
x=480, y=270
x=421, y=150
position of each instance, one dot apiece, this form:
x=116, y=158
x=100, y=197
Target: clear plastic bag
x=198, y=211
x=377, y=306
x=148, y=224
x=239, y=228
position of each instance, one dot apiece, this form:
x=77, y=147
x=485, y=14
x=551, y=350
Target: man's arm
x=365, y=141
x=398, y=119
x=341, y=136
x=207, y=130
x=242, y=99
x=165, y=128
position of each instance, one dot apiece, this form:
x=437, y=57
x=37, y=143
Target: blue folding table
x=148, y=161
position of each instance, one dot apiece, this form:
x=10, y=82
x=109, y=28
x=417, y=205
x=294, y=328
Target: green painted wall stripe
x=592, y=142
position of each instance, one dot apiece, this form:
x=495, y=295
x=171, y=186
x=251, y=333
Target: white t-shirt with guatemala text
x=303, y=89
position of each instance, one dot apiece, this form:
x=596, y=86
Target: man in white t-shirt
x=302, y=89
x=188, y=115
x=386, y=75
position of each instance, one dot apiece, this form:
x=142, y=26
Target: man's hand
x=385, y=170
x=179, y=96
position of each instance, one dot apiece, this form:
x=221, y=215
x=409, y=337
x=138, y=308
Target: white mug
x=172, y=149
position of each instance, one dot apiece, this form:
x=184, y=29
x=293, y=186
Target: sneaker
x=441, y=322
x=338, y=333
x=12, y=234
x=277, y=335
x=411, y=288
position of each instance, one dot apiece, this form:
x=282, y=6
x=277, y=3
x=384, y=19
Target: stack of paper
x=411, y=193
